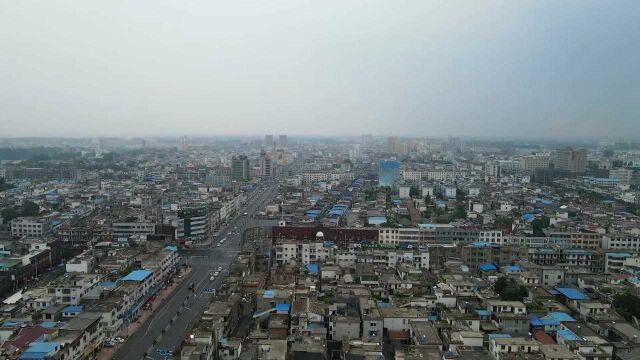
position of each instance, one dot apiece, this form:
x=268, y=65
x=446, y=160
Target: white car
x=216, y=273
x=212, y=278
x=219, y=268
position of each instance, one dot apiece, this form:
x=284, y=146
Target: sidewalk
x=108, y=353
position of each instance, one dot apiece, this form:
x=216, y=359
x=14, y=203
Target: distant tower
x=282, y=141
x=266, y=164
x=268, y=141
x=183, y=143
x=101, y=145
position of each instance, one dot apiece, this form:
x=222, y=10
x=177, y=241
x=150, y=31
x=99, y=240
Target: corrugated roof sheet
x=137, y=275
x=572, y=294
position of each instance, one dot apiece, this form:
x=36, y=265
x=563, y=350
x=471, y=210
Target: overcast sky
x=423, y=68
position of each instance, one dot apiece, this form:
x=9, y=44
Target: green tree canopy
x=29, y=208
x=9, y=214
x=509, y=289
x=4, y=185
x=460, y=212
x=627, y=305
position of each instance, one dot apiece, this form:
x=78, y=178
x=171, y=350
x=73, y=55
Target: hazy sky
x=423, y=68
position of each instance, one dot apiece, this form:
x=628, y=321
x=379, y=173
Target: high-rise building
x=492, y=169
x=393, y=142
x=282, y=141
x=240, y=168
x=354, y=152
x=281, y=157
x=533, y=162
x=193, y=222
x=388, y=172
x=268, y=141
x=568, y=159
x=623, y=176
x=183, y=143
x=266, y=164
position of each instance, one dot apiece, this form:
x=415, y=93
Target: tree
x=427, y=200
x=9, y=214
x=503, y=220
x=627, y=304
x=460, y=212
x=461, y=195
x=540, y=223
x=29, y=208
x=509, y=289
x=5, y=185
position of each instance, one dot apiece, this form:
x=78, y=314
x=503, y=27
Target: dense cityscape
x=291, y=247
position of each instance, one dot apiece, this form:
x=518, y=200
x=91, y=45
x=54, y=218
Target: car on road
x=216, y=273
x=219, y=268
x=218, y=245
x=212, y=278
x=118, y=339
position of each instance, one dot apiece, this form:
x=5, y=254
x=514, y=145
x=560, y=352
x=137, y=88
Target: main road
x=174, y=318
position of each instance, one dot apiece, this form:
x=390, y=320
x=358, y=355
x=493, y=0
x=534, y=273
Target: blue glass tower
x=388, y=172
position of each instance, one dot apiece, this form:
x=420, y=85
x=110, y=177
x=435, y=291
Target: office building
x=393, y=142
x=354, y=152
x=268, y=141
x=30, y=227
x=388, y=172
x=266, y=164
x=532, y=162
x=183, y=143
x=568, y=159
x=193, y=223
x=492, y=169
x=282, y=141
x=623, y=176
x=240, y=170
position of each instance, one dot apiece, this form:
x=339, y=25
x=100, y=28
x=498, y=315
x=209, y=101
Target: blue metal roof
x=171, y=248
x=39, y=349
x=527, y=217
x=73, y=309
x=535, y=321
x=559, y=317
x=137, y=275
x=567, y=334
x=313, y=268
x=572, y=294
x=269, y=294
x=283, y=307
x=487, y=267
x=513, y=268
